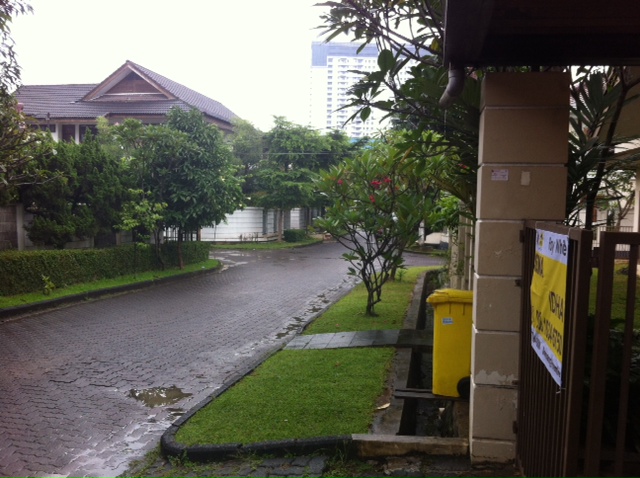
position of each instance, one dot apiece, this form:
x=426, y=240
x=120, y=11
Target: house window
x=68, y=132
x=48, y=127
x=84, y=128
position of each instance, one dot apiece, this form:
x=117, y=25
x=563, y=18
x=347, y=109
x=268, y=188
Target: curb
x=9, y=312
x=207, y=453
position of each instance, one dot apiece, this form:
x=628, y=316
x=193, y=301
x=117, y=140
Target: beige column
x=522, y=175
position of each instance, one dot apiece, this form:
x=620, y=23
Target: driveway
x=88, y=388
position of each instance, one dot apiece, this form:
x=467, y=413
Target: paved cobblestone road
x=71, y=379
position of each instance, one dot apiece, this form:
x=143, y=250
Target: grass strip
x=619, y=299
x=295, y=394
x=259, y=246
x=35, y=297
x=348, y=314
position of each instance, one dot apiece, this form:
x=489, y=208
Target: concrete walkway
x=404, y=338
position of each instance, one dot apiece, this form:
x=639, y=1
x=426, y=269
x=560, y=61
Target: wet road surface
x=87, y=388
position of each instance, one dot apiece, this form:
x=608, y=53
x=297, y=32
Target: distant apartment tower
x=332, y=76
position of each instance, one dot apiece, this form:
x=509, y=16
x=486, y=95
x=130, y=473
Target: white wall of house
x=252, y=224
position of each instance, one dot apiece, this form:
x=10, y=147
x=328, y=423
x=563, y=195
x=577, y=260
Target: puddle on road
x=158, y=396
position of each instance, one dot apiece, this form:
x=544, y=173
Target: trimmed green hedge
x=22, y=271
x=294, y=235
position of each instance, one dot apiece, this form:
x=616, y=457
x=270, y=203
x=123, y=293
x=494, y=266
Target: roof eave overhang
x=483, y=33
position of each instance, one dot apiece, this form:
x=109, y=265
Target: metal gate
x=590, y=424
x=549, y=415
x=612, y=442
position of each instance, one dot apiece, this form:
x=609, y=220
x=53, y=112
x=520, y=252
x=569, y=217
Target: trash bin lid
x=450, y=295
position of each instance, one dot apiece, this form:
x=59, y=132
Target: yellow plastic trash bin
x=451, y=341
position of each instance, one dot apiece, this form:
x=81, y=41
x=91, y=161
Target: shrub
x=295, y=235
x=192, y=252
x=22, y=271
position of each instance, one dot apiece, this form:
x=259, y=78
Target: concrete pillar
x=522, y=175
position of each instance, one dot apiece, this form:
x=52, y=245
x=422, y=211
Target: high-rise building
x=333, y=67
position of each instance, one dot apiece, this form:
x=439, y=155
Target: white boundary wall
x=250, y=224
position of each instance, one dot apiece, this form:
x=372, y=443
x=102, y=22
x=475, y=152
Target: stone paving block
x=287, y=470
x=319, y=341
x=302, y=460
x=275, y=462
x=299, y=342
x=259, y=472
x=387, y=336
x=317, y=465
x=358, y=342
x=244, y=471
x=341, y=340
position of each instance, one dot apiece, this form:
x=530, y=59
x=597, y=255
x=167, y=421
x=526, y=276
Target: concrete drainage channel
x=409, y=424
x=416, y=422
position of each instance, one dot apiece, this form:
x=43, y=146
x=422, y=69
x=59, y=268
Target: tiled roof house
x=132, y=91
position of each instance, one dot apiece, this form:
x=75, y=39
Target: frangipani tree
x=377, y=202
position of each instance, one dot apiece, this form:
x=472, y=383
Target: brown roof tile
x=66, y=101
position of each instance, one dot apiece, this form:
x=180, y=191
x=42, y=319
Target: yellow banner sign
x=548, y=305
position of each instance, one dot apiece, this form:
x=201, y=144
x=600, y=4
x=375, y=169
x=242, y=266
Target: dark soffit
x=541, y=32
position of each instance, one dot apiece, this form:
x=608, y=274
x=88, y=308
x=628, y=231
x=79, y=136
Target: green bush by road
x=24, y=271
x=103, y=284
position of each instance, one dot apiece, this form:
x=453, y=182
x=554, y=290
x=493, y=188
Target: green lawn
x=618, y=306
x=295, y=394
x=349, y=314
x=258, y=246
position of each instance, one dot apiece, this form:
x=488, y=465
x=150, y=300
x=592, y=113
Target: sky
x=253, y=56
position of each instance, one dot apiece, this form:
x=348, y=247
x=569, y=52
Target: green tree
x=186, y=164
x=143, y=218
x=9, y=68
x=283, y=190
x=83, y=200
x=409, y=36
x=284, y=178
x=377, y=202
x=247, y=143
x=409, y=82
x=18, y=144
